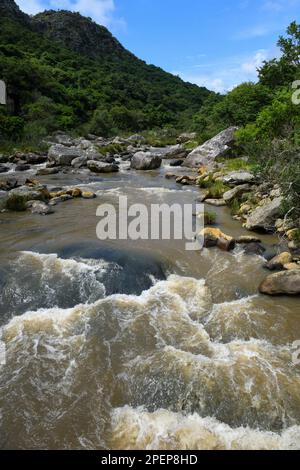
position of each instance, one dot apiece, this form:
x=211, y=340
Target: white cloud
x=225, y=75
x=101, y=11
x=250, y=67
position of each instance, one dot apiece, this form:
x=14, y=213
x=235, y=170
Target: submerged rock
x=282, y=283
x=206, y=154
x=145, y=161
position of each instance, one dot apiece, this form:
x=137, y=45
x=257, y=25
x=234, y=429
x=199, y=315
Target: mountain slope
x=65, y=71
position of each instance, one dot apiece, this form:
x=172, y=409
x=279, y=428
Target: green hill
x=63, y=71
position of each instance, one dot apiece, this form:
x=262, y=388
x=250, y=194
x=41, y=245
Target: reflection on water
x=140, y=345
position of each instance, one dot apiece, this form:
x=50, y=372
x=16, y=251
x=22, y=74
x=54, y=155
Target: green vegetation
x=210, y=218
x=65, y=72
x=268, y=120
x=216, y=188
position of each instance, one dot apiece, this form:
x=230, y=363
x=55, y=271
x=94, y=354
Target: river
x=135, y=344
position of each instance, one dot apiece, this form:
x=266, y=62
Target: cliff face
x=78, y=33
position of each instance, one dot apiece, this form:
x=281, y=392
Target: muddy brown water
x=139, y=344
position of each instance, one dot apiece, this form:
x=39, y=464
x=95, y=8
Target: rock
x=74, y=192
x=186, y=180
x=279, y=261
x=9, y=184
x=3, y=168
x=236, y=193
x=3, y=200
x=136, y=138
x=282, y=283
x=186, y=137
x=215, y=202
x=238, y=178
x=22, y=167
x=176, y=163
x=38, y=207
x=79, y=162
x=47, y=171
x=264, y=217
x=243, y=239
x=63, y=139
x=101, y=167
x=215, y=237
x=293, y=234
x=145, y=161
x=60, y=155
x=204, y=195
x=254, y=248
x=88, y=195
x=34, y=158
x=64, y=197
x=18, y=198
x=170, y=176
x=175, y=151
x=291, y=266
x=206, y=154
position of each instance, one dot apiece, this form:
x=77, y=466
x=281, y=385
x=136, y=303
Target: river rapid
x=135, y=344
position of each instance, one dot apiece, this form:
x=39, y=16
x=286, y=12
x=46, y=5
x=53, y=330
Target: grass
x=191, y=145
x=112, y=148
x=216, y=188
x=235, y=206
x=235, y=164
x=210, y=218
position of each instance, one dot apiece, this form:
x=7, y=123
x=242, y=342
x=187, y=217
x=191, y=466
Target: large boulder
x=282, y=283
x=238, y=178
x=218, y=146
x=60, y=155
x=145, y=161
x=264, y=217
x=236, y=192
x=101, y=167
x=17, y=198
x=175, y=151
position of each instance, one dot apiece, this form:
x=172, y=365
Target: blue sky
x=215, y=43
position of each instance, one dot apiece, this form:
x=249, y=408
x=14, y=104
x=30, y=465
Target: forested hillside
x=63, y=71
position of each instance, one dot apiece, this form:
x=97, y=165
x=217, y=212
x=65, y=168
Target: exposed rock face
x=206, y=154
x=264, y=217
x=215, y=237
x=101, y=167
x=239, y=177
x=60, y=155
x=145, y=161
x=279, y=261
x=283, y=283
